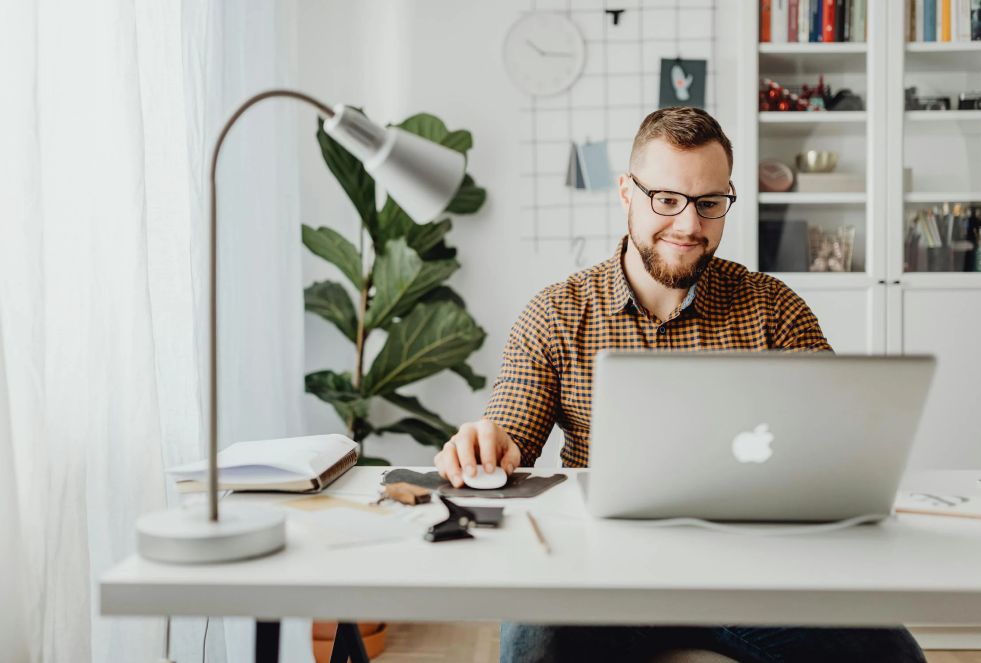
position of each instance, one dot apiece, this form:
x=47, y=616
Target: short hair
x=683, y=127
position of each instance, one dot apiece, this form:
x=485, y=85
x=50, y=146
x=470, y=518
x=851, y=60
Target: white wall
x=399, y=57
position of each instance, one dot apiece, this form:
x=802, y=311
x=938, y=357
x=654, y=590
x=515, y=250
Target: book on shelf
x=765, y=19
x=804, y=21
x=828, y=25
x=817, y=20
x=779, y=21
x=858, y=20
x=792, y=22
x=841, y=16
x=943, y=20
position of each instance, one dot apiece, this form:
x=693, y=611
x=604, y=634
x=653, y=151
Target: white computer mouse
x=486, y=481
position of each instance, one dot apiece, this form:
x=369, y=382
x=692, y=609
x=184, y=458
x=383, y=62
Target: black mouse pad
x=520, y=484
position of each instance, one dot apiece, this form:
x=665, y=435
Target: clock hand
x=547, y=54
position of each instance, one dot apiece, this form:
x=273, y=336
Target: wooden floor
x=470, y=642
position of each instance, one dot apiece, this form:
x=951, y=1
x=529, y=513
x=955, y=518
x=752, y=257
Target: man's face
x=675, y=249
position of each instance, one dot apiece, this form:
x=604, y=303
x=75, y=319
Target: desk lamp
x=422, y=177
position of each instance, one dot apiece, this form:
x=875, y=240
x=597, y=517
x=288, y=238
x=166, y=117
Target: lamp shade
x=420, y=175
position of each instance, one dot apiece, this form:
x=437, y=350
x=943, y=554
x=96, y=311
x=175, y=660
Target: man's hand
x=481, y=442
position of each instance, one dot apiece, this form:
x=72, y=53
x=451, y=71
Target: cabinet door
x=947, y=324
x=851, y=313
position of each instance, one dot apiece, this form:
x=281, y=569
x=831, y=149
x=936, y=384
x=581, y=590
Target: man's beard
x=683, y=276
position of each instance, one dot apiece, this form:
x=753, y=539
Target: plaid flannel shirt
x=547, y=370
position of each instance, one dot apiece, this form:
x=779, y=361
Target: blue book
x=817, y=21
x=930, y=20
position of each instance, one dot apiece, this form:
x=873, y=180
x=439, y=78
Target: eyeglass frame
x=688, y=199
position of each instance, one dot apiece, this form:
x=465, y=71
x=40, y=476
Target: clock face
x=544, y=53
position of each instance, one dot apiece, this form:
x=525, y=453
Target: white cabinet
x=889, y=302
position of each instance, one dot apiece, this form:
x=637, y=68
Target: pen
x=538, y=533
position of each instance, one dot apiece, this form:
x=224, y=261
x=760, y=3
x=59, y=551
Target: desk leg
x=348, y=643
x=266, y=642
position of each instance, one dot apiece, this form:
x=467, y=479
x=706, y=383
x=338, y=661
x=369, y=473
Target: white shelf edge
x=941, y=280
x=943, y=197
x=797, y=198
x=943, y=46
x=813, y=117
x=824, y=280
x=944, y=116
x=811, y=48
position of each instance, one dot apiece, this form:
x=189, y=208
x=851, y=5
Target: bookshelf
x=881, y=306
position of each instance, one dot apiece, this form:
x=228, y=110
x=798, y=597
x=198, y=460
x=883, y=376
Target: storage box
x=830, y=182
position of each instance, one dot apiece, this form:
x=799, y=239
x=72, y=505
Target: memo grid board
x=619, y=86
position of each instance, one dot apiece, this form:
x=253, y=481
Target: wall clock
x=544, y=53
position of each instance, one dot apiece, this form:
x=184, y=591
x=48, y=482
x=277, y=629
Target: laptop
x=774, y=436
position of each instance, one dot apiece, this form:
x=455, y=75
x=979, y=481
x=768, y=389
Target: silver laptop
x=751, y=436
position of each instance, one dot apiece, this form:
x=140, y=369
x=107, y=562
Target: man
x=663, y=289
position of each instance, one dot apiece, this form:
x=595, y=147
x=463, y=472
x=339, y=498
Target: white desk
x=910, y=569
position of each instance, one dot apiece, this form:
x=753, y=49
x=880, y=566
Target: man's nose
x=688, y=222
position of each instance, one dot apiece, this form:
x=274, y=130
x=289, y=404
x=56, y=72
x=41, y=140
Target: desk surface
x=909, y=569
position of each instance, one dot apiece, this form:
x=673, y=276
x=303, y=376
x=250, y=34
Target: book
x=945, y=20
x=920, y=20
x=975, y=20
x=764, y=20
x=792, y=8
x=929, y=20
x=778, y=21
x=840, y=14
x=938, y=505
x=828, y=23
x=804, y=21
x=849, y=12
x=858, y=20
x=292, y=465
x=817, y=21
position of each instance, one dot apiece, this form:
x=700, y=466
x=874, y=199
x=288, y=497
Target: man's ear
x=626, y=191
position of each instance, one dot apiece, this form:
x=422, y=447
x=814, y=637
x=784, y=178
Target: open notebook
x=293, y=464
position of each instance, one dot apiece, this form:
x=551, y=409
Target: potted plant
x=397, y=275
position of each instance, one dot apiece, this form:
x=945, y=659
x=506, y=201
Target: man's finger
x=465, y=440
x=512, y=458
x=450, y=465
x=487, y=441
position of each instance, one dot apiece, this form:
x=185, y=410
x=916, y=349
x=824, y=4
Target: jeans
x=530, y=643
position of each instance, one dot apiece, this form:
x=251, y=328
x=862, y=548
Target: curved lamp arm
x=420, y=175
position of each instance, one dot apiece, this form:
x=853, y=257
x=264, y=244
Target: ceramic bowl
x=817, y=161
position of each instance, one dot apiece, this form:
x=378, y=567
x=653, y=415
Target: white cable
x=773, y=530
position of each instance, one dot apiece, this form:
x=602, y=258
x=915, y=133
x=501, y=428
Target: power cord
x=726, y=528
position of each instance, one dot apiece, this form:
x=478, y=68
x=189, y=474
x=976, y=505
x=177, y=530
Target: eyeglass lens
x=670, y=204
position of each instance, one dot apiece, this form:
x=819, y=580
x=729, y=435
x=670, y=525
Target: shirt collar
x=623, y=294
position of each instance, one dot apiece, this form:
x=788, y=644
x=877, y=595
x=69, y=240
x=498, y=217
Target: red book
x=828, y=29
x=792, y=8
x=764, y=20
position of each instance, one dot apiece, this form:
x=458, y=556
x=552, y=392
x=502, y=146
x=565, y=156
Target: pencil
x=538, y=533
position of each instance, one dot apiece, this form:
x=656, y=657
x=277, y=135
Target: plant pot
x=372, y=634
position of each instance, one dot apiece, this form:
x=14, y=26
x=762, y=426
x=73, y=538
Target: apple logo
x=753, y=447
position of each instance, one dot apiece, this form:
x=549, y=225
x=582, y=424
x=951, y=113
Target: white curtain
x=107, y=119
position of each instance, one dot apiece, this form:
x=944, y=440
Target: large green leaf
x=431, y=338
x=351, y=175
x=424, y=237
x=330, y=301
x=476, y=382
x=469, y=198
x=412, y=404
x=443, y=293
x=334, y=248
x=393, y=223
x=337, y=389
x=422, y=432
x=428, y=126
x=461, y=140
x=401, y=277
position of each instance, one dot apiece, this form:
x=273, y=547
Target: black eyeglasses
x=672, y=203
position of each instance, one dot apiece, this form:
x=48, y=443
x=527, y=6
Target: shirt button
x=662, y=330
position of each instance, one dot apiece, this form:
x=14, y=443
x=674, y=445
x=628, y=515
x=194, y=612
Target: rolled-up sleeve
x=526, y=393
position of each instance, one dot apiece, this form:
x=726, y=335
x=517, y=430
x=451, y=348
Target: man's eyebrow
x=655, y=189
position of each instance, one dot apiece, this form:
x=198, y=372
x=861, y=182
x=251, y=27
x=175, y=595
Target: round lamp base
x=187, y=536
